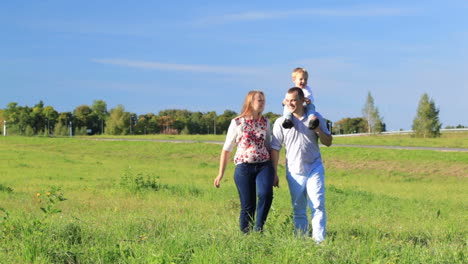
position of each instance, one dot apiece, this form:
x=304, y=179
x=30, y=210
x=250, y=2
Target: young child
x=299, y=78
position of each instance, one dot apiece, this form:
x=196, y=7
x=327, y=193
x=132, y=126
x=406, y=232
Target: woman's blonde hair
x=247, y=106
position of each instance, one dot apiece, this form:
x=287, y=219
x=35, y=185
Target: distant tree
x=12, y=113
x=272, y=117
x=146, y=124
x=99, y=108
x=50, y=116
x=223, y=121
x=85, y=118
x=350, y=125
x=452, y=127
x=166, y=123
x=194, y=123
x=118, y=122
x=64, y=119
x=2, y=118
x=371, y=114
x=81, y=115
x=39, y=122
x=208, y=121
x=61, y=129
x=18, y=119
x=426, y=123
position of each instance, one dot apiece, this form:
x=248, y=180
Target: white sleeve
x=310, y=95
x=323, y=124
x=277, y=139
x=268, y=136
x=231, y=137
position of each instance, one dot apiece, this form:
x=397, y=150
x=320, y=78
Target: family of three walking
x=256, y=158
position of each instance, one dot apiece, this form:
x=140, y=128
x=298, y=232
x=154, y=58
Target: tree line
x=97, y=119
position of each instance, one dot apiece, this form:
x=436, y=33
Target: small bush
x=140, y=182
x=6, y=189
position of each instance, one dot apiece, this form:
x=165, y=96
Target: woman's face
x=258, y=103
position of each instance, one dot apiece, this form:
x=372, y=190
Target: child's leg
x=286, y=113
x=310, y=111
x=287, y=123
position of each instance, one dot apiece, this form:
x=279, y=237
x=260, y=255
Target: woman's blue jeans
x=252, y=180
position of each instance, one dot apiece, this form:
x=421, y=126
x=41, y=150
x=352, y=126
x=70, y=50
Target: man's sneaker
x=287, y=123
x=313, y=124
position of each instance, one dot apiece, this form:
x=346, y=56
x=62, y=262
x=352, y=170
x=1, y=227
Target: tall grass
x=153, y=202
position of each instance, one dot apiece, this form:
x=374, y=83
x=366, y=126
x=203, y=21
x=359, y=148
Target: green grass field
x=73, y=200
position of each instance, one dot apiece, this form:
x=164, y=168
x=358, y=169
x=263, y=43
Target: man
x=304, y=168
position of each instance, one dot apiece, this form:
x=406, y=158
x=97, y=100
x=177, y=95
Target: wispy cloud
x=154, y=65
x=304, y=13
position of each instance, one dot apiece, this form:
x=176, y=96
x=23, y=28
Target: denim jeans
x=308, y=189
x=252, y=180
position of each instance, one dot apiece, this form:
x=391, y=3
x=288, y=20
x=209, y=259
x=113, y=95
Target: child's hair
x=247, y=106
x=299, y=70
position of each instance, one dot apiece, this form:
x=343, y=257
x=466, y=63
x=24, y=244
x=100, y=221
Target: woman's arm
x=223, y=159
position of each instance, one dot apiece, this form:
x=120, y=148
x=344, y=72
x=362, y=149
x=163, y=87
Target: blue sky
x=206, y=55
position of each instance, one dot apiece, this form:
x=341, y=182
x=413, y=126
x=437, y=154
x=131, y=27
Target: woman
x=254, y=175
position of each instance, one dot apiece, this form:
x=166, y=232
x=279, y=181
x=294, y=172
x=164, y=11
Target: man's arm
x=322, y=131
x=325, y=138
x=274, y=155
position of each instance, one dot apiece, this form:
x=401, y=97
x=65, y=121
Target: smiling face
x=294, y=103
x=300, y=80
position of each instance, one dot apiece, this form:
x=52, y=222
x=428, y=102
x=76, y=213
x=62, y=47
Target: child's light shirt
x=252, y=138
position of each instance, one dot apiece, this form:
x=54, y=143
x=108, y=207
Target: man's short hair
x=297, y=90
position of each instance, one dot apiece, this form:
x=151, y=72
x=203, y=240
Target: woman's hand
x=217, y=181
x=276, y=181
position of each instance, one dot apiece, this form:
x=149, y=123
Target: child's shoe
x=287, y=123
x=313, y=124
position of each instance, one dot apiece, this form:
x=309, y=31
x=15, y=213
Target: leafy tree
x=272, y=117
x=426, y=123
x=99, y=108
x=350, y=125
x=223, y=121
x=61, y=129
x=50, y=116
x=81, y=115
x=12, y=113
x=194, y=123
x=371, y=115
x=2, y=118
x=85, y=118
x=208, y=121
x=118, y=122
x=38, y=119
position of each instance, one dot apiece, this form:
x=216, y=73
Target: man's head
x=300, y=77
x=295, y=100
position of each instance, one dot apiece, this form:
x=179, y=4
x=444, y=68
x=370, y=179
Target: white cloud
x=304, y=13
x=154, y=65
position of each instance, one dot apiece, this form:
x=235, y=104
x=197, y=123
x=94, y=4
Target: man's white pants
x=309, y=189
